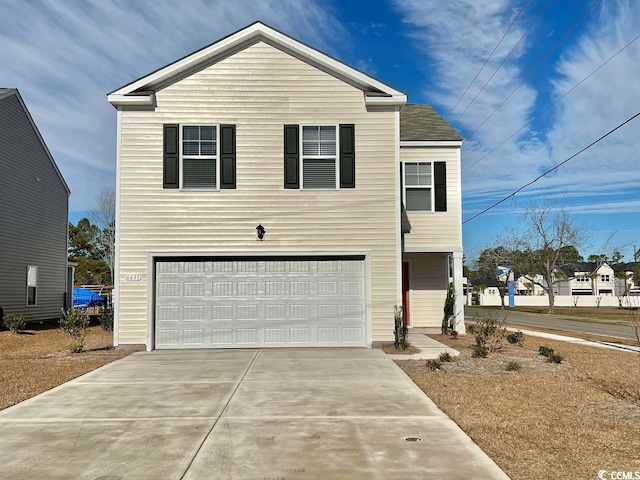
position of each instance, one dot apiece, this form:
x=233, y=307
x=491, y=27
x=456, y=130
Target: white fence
x=562, y=301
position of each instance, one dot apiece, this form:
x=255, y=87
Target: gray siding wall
x=33, y=218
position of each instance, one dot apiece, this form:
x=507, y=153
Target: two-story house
x=34, y=277
x=271, y=195
x=588, y=278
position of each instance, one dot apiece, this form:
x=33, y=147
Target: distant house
x=270, y=195
x=629, y=285
x=587, y=278
x=33, y=218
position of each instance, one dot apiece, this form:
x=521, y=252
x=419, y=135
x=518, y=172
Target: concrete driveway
x=236, y=414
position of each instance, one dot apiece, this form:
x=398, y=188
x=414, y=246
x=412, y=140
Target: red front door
x=405, y=292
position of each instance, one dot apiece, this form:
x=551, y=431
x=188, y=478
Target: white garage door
x=248, y=302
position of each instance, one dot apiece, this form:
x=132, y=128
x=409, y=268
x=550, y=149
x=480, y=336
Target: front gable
x=141, y=92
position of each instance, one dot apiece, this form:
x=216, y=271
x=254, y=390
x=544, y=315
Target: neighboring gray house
x=34, y=202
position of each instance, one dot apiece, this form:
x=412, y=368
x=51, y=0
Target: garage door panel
x=260, y=302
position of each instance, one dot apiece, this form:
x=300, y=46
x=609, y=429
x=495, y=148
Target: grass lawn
x=39, y=359
x=611, y=315
x=545, y=420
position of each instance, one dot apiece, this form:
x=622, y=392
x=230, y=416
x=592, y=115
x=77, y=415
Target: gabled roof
x=626, y=267
x=140, y=91
x=6, y=93
x=581, y=267
x=421, y=123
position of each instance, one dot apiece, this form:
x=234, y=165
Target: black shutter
x=227, y=156
x=171, y=165
x=440, y=182
x=291, y=156
x=347, y=156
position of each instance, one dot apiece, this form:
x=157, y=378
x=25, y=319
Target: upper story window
x=605, y=278
x=582, y=278
x=319, y=149
x=320, y=157
x=425, y=186
x=199, y=156
x=418, y=186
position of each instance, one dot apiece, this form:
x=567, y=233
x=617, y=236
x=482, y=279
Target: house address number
x=133, y=278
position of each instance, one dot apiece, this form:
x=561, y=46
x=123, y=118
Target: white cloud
x=65, y=56
x=457, y=36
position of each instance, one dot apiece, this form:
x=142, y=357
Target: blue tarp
x=83, y=297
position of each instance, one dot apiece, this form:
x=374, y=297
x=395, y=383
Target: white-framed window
x=32, y=285
x=319, y=157
x=605, y=278
x=582, y=278
x=199, y=157
x=418, y=186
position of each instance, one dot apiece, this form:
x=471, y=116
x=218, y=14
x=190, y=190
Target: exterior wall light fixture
x=260, y=231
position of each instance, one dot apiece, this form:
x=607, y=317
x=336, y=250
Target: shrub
x=516, y=338
x=489, y=332
x=488, y=326
x=479, y=352
x=445, y=357
x=74, y=323
x=433, y=364
x=545, y=351
x=554, y=358
x=106, y=321
x=400, y=331
x=449, y=307
x=513, y=366
x=14, y=322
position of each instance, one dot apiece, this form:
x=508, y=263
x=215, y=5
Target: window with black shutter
x=199, y=156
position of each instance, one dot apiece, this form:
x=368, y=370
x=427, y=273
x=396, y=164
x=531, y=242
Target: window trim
x=336, y=157
x=405, y=186
x=35, y=287
x=215, y=157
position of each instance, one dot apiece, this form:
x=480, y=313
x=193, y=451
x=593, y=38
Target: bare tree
x=104, y=217
x=549, y=230
x=495, y=263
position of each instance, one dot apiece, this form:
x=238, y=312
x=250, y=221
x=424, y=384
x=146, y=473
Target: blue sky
x=65, y=55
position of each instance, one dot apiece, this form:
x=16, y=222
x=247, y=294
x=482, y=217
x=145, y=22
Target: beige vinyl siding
x=428, y=285
x=431, y=230
x=258, y=89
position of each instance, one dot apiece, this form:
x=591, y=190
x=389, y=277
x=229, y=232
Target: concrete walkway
x=238, y=414
x=429, y=348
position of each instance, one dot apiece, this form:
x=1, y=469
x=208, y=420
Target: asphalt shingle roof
x=419, y=123
x=5, y=90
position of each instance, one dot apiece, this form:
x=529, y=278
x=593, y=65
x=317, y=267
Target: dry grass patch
x=391, y=349
x=39, y=359
x=546, y=420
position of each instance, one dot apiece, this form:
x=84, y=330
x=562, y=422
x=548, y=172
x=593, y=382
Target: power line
x=564, y=37
x=551, y=169
x=502, y=63
x=488, y=58
x=551, y=105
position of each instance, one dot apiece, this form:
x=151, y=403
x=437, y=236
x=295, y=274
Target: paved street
x=545, y=321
